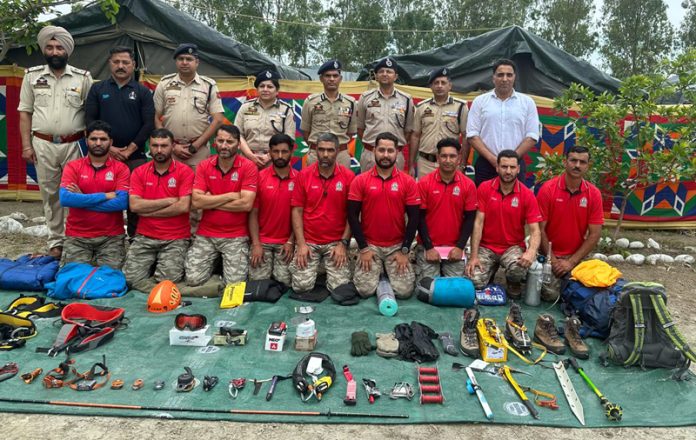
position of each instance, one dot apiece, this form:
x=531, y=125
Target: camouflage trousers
x=367, y=160
x=303, y=280
x=205, y=250
x=99, y=251
x=443, y=268
x=366, y=282
x=490, y=262
x=343, y=158
x=272, y=265
x=167, y=257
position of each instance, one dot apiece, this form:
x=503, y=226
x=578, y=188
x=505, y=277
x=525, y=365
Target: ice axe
x=613, y=411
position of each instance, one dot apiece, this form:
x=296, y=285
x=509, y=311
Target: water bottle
x=532, y=295
x=547, y=271
x=386, y=302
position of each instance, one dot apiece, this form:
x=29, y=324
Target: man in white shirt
x=501, y=119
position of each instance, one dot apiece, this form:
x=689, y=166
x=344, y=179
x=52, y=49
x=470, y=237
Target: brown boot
x=514, y=290
x=546, y=334
x=468, y=339
x=56, y=252
x=572, y=336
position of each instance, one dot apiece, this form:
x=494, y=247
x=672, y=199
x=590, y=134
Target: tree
x=19, y=20
x=688, y=29
x=568, y=24
x=356, y=48
x=629, y=149
x=637, y=35
x=413, y=15
x=478, y=17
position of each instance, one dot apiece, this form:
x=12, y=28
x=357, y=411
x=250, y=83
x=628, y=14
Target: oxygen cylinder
x=532, y=296
x=386, y=302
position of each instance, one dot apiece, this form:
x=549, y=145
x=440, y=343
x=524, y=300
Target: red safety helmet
x=164, y=297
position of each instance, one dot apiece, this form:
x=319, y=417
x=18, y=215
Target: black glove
x=360, y=344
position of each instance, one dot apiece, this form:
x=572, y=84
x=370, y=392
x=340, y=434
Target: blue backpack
x=593, y=305
x=27, y=272
x=84, y=281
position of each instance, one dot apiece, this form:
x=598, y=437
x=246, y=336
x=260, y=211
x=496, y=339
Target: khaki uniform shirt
x=320, y=115
x=258, y=124
x=435, y=122
x=187, y=107
x=56, y=104
x=377, y=113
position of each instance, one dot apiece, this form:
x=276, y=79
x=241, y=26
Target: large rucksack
x=643, y=333
x=593, y=305
x=27, y=272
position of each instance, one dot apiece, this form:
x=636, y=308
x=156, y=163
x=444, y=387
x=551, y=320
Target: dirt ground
x=678, y=280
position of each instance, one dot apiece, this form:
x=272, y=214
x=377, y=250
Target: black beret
x=187, y=49
x=443, y=71
x=329, y=65
x=266, y=75
x=387, y=62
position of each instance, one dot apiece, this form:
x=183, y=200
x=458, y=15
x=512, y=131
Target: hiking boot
x=468, y=341
x=56, y=252
x=546, y=334
x=572, y=336
x=514, y=290
x=515, y=330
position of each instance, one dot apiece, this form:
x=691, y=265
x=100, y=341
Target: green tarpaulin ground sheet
x=142, y=351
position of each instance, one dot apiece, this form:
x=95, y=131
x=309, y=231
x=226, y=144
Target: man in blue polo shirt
x=127, y=106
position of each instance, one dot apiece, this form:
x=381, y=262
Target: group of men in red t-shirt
x=283, y=224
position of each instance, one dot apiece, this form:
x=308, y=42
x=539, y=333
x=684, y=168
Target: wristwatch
x=192, y=149
x=405, y=250
x=346, y=242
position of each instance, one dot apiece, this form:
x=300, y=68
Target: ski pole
x=613, y=411
x=328, y=413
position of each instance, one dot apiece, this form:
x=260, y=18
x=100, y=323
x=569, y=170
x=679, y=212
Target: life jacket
x=643, y=332
x=85, y=327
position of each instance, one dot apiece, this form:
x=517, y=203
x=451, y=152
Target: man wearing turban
x=52, y=122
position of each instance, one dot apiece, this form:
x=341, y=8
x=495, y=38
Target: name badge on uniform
x=394, y=186
x=171, y=183
x=515, y=202
x=109, y=176
x=456, y=191
x=339, y=186
x=583, y=202
x=291, y=186
x=41, y=83
x=132, y=95
x=235, y=177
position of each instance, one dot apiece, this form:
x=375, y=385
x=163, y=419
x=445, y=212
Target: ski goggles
x=190, y=322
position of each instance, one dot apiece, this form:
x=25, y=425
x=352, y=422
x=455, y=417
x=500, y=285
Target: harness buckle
x=86, y=385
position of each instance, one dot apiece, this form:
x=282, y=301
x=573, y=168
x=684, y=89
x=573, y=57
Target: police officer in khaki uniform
x=384, y=109
x=52, y=121
x=185, y=102
x=260, y=118
x=329, y=112
x=437, y=118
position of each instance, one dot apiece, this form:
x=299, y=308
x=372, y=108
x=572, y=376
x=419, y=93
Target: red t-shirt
x=567, y=215
x=273, y=202
x=243, y=176
x=506, y=216
x=383, y=214
x=112, y=176
x=444, y=205
x=148, y=184
x=324, y=202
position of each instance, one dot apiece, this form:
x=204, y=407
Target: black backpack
x=643, y=333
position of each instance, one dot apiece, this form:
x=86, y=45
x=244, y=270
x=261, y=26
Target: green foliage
x=688, y=28
x=612, y=125
x=568, y=24
x=637, y=35
x=19, y=20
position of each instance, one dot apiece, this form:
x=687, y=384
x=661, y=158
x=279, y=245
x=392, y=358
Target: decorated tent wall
x=664, y=205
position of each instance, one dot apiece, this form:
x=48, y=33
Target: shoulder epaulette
x=314, y=95
x=406, y=95
x=207, y=79
x=35, y=68
x=284, y=103
x=461, y=101
x=170, y=76
x=80, y=71
x=423, y=102
x=348, y=97
x=369, y=92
